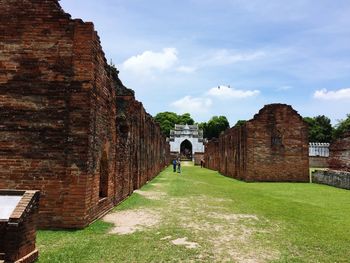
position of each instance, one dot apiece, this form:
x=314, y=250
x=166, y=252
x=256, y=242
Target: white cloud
x=149, y=60
x=192, y=105
x=341, y=94
x=186, y=69
x=226, y=57
x=225, y=92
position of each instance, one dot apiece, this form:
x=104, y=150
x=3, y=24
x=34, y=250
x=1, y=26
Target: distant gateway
x=186, y=141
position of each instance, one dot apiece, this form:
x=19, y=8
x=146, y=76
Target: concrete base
x=339, y=179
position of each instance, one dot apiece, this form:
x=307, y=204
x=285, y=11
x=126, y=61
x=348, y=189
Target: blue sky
x=175, y=54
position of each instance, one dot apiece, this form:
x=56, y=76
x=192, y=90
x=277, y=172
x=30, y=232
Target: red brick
x=339, y=153
x=273, y=146
x=63, y=108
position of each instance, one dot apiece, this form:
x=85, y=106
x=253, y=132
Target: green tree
x=341, y=127
x=240, y=123
x=214, y=126
x=185, y=119
x=320, y=128
x=167, y=120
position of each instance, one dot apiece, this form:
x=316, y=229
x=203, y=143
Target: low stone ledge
x=18, y=221
x=339, y=179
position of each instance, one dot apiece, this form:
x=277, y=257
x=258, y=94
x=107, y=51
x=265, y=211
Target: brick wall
x=273, y=146
x=62, y=107
x=197, y=157
x=339, y=155
x=211, y=154
x=140, y=145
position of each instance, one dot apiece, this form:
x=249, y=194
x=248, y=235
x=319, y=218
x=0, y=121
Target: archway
x=186, y=150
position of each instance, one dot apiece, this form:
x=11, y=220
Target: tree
x=185, y=119
x=240, y=123
x=214, y=126
x=167, y=120
x=341, y=127
x=320, y=128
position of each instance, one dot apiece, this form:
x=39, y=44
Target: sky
x=227, y=57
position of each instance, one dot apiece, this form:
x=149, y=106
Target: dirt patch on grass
x=183, y=242
x=232, y=236
x=153, y=195
x=227, y=237
x=129, y=221
x=223, y=236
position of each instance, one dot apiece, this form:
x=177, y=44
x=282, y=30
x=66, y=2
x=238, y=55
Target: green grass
x=229, y=219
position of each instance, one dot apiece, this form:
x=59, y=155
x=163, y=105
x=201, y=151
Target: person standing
x=174, y=165
x=202, y=163
x=179, y=165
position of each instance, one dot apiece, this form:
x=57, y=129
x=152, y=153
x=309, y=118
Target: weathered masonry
x=69, y=127
x=273, y=146
x=339, y=157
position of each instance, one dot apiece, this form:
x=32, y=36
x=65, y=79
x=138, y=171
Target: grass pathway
x=201, y=216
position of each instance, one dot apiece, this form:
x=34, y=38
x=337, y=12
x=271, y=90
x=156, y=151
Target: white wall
x=319, y=149
x=196, y=146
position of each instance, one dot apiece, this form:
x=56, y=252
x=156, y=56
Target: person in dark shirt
x=174, y=165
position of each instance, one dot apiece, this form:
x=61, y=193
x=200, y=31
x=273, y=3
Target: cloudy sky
x=227, y=57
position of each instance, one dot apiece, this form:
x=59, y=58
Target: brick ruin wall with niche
x=69, y=127
x=339, y=153
x=273, y=146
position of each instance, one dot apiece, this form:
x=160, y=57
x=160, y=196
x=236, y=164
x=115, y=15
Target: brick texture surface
x=339, y=153
x=273, y=146
x=69, y=127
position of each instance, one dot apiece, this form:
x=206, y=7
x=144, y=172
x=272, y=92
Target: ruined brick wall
x=273, y=146
x=277, y=145
x=197, y=157
x=339, y=155
x=140, y=145
x=59, y=115
x=44, y=105
x=211, y=155
x=232, y=153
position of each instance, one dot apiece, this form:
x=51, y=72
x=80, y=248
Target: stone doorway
x=186, y=150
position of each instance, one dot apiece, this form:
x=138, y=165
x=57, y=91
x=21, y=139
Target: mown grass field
x=224, y=220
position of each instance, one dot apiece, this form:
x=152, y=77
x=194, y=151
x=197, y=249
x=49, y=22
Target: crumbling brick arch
x=104, y=176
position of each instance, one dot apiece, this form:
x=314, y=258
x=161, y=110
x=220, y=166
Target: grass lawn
x=201, y=216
